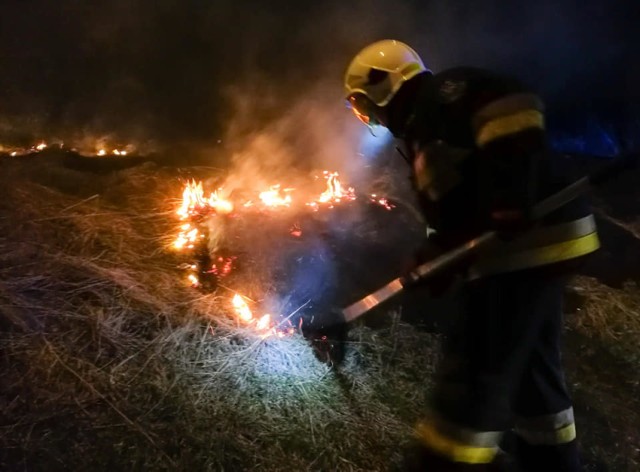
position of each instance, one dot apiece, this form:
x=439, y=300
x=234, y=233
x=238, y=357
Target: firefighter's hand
x=436, y=284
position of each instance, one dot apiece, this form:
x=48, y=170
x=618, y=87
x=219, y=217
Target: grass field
x=109, y=362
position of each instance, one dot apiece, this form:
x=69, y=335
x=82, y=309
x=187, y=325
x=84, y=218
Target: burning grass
x=111, y=362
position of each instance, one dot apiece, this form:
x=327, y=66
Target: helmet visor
x=363, y=108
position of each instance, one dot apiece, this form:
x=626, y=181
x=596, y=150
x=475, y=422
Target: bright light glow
x=275, y=197
x=372, y=141
x=242, y=309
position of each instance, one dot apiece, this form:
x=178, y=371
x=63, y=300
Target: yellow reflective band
x=454, y=450
x=507, y=125
x=537, y=256
x=506, y=106
x=565, y=250
x=566, y=434
x=562, y=435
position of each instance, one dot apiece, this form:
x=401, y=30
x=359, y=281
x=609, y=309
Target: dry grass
x=610, y=315
x=604, y=372
x=110, y=362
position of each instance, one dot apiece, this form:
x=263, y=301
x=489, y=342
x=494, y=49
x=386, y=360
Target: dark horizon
x=193, y=71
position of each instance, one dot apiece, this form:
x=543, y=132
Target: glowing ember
x=274, y=197
x=295, y=231
x=222, y=266
x=193, y=280
x=382, y=201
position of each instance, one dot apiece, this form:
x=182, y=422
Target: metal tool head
x=372, y=300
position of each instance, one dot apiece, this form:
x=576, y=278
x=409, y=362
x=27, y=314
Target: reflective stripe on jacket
x=541, y=246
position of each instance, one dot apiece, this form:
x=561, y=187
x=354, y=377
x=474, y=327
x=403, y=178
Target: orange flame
x=194, y=201
x=334, y=193
x=219, y=204
x=242, y=309
x=264, y=323
x=274, y=197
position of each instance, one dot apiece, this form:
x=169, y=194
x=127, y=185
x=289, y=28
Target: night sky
x=176, y=71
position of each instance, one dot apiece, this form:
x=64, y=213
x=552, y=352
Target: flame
x=265, y=326
x=264, y=323
x=42, y=146
x=335, y=192
x=192, y=199
x=274, y=197
x=195, y=209
x=219, y=204
x=241, y=308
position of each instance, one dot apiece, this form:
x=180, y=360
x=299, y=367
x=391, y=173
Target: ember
x=383, y=202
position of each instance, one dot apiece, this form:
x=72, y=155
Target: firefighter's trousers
x=502, y=370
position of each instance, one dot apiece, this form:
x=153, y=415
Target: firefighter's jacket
x=478, y=147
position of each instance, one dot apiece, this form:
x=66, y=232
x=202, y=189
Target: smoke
x=188, y=73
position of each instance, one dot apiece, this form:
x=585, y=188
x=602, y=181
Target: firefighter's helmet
x=376, y=74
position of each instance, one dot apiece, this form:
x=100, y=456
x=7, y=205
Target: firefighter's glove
x=436, y=284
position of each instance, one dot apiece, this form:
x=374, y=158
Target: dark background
x=179, y=72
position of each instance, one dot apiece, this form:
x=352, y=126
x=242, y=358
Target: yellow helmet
x=376, y=74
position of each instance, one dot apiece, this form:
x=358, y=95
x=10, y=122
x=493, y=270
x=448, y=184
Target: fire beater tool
x=542, y=208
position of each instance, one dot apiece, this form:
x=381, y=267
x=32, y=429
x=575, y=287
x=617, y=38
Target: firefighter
x=479, y=161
